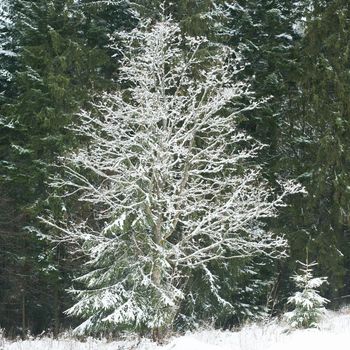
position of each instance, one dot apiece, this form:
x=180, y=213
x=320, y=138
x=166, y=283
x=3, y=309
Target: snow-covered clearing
x=334, y=332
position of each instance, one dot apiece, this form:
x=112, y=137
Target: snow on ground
x=334, y=332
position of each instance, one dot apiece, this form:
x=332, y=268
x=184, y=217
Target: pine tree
x=309, y=305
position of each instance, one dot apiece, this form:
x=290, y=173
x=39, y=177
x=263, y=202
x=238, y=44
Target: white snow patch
x=333, y=333
x=190, y=342
x=284, y=36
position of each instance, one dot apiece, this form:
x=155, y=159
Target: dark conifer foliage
x=316, y=145
x=7, y=54
x=55, y=58
x=265, y=33
x=61, y=59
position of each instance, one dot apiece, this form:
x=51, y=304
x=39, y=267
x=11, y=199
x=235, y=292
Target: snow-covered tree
x=309, y=305
x=168, y=178
x=6, y=49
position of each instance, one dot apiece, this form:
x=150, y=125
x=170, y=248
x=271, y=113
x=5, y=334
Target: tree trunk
x=157, y=275
x=57, y=298
x=24, y=330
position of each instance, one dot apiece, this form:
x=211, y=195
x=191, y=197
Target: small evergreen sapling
x=309, y=305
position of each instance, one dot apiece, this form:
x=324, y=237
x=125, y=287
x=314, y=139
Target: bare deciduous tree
x=171, y=179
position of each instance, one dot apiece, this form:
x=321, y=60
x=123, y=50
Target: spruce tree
x=7, y=53
x=193, y=16
x=242, y=294
x=308, y=304
x=315, y=144
x=265, y=34
x=61, y=57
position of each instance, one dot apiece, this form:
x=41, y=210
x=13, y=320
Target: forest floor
x=333, y=333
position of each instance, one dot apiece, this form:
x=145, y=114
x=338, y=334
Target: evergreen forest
x=167, y=164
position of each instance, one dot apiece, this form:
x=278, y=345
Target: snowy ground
x=334, y=333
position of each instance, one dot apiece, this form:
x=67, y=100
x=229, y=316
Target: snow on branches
x=169, y=177
x=6, y=52
x=309, y=305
